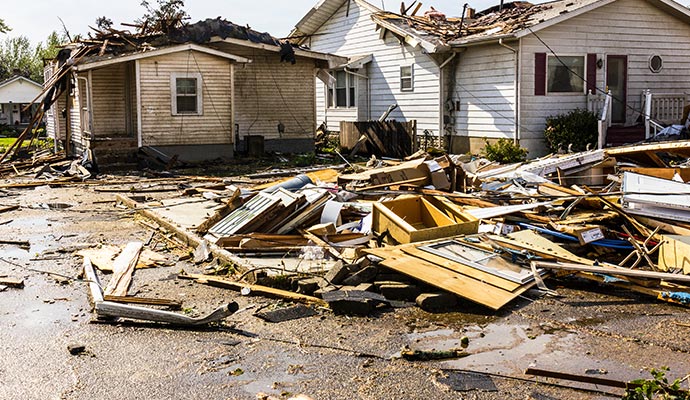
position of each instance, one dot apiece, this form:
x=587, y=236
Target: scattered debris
x=286, y=314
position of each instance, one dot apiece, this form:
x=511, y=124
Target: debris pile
x=431, y=231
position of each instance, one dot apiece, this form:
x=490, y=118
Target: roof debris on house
x=495, y=22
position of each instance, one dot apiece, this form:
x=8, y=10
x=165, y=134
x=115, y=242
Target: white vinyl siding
x=484, y=92
x=607, y=31
x=355, y=35
x=159, y=126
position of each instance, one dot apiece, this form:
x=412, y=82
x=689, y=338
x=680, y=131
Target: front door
x=617, y=83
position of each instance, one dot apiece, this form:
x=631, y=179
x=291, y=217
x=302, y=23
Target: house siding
x=606, y=31
x=109, y=107
x=484, y=90
x=269, y=93
x=159, y=126
x=355, y=34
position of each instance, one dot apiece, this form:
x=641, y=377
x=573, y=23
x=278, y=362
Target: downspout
x=347, y=70
x=516, y=114
x=442, y=95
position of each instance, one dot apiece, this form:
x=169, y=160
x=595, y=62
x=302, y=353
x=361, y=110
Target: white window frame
x=406, y=77
x=584, y=74
x=350, y=83
x=173, y=92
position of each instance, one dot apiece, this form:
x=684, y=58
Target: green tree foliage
x=18, y=55
x=169, y=16
x=3, y=27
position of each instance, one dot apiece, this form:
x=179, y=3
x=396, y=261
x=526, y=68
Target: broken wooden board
x=103, y=257
x=674, y=253
x=462, y=285
x=123, y=267
x=215, y=281
x=12, y=282
x=616, y=271
x=647, y=154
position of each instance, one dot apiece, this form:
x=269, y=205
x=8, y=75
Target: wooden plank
x=123, y=267
x=461, y=268
x=144, y=300
x=445, y=279
x=256, y=289
x=8, y=208
x=12, y=282
x=609, y=270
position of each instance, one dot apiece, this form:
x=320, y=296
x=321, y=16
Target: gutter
x=516, y=113
x=441, y=93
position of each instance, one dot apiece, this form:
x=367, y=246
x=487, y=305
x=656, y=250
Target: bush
x=504, y=151
x=578, y=127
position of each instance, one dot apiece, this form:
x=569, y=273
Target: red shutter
x=592, y=73
x=539, y=74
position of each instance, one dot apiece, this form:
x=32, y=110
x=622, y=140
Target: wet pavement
x=590, y=329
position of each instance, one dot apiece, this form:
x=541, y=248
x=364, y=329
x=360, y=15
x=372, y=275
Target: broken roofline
x=331, y=58
x=159, y=52
x=668, y=6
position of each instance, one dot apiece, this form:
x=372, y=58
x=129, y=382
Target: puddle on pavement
x=510, y=349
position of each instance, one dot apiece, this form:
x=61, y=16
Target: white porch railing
x=662, y=109
x=600, y=104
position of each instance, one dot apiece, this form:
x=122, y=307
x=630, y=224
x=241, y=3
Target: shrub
x=504, y=151
x=578, y=127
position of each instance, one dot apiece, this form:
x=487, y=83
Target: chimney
x=469, y=13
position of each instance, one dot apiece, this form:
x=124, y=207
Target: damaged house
x=202, y=92
x=501, y=72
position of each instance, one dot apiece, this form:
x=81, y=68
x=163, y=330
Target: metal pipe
x=516, y=135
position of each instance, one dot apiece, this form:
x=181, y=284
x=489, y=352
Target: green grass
x=7, y=142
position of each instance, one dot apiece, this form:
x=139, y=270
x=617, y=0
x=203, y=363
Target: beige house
x=193, y=101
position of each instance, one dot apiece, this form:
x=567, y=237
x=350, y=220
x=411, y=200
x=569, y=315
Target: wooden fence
x=383, y=139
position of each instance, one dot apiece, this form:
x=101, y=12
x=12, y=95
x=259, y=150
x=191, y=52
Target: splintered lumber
x=109, y=309
x=8, y=208
x=256, y=289
x=634, y=273
x=190, y=239
x=19, y=243
x=123, y=267
x=465, y=286
x=12, y=282
x=144, y=300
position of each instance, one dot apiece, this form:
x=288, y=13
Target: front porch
x=656, y=111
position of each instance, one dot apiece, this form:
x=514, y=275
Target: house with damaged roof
x=501, y=72
x=200, y=92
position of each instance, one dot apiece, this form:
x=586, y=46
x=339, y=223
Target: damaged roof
x=516, y=19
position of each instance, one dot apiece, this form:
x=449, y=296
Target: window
x=407, y=78
x=656, y=63
x=343, y=93
x=186, y=94
x=566, y=74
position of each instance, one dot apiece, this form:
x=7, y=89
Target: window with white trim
x=407, y=78
x=343, y=93
x=565, y=74
x=186, y=94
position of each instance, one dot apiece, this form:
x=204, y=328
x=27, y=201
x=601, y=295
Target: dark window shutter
x=592, y=73
x=539, y=74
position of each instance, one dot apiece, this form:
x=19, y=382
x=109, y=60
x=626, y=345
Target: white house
x=196, y=97
x=502, y=72
x=16, y=93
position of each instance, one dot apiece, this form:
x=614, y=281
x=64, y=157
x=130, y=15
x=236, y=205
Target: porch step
x=115, y=154
x=620, y=135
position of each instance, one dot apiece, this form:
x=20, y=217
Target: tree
x=3, y=27
x=18, y=56
x=169, y=15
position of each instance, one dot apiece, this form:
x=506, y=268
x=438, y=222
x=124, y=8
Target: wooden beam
x=257, y=289
x=123, y=267
x=634, y=273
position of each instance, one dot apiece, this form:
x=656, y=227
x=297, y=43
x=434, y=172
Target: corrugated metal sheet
x=244, y=215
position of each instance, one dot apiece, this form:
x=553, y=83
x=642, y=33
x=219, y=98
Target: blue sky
x=274, y=16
